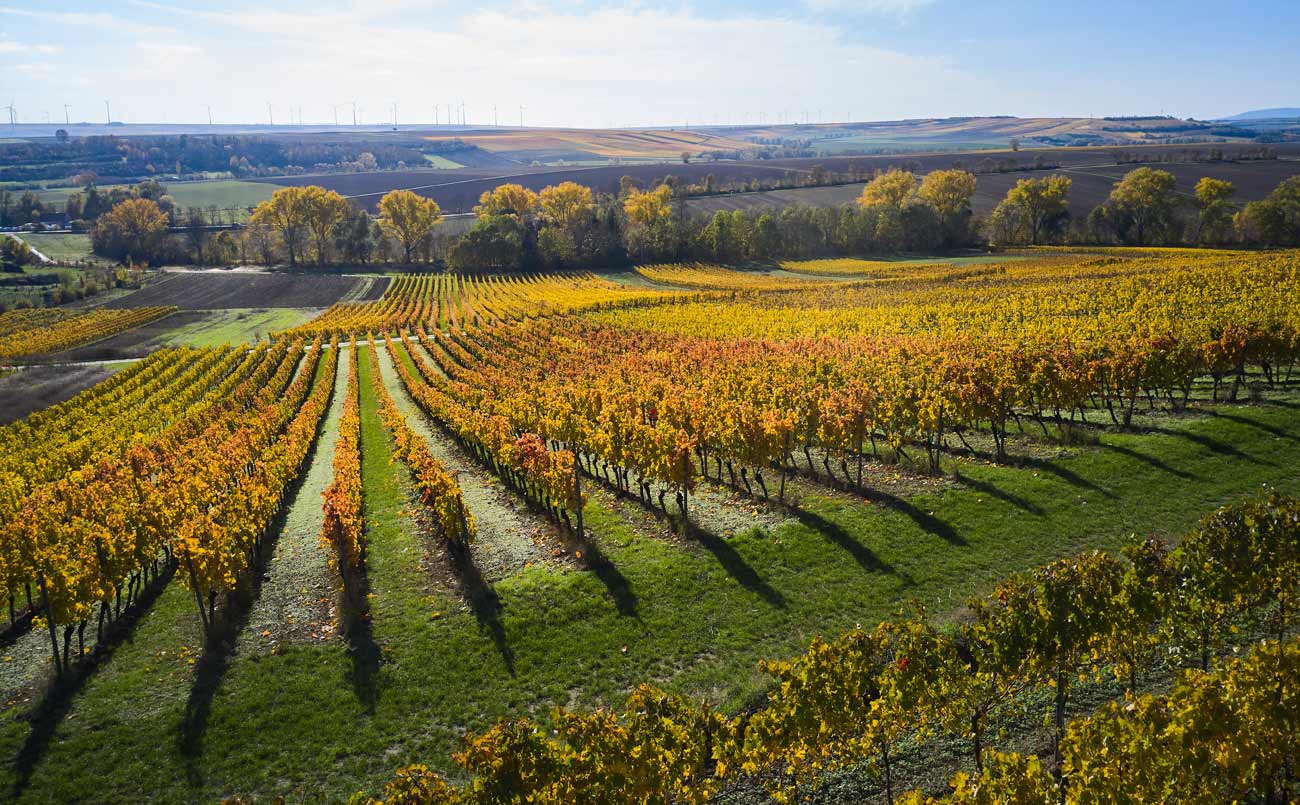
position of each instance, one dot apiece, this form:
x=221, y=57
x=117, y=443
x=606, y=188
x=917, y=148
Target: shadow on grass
x=836, y=533
x=363, y=651
x=1213, y=445
x=1069, y=476
x=620, y=589
x=1150, y=460
x=735, y=565
x=220, y=646
x=994, y=492
x=483, y=600
x=1272, y=430
x=46, y=716
x=21, y=625
x=924, y=520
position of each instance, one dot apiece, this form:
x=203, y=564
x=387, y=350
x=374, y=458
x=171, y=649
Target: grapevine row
x=439, y=492
x=65, y=333
x=1225, y=733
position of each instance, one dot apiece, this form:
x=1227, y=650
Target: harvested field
x=27, y=389
x=1091, y=186
x=195, y=290
x=458, y=191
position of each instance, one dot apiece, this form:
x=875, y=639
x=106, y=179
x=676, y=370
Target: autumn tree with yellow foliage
x=135, y=229
x=649, y=218
x=409, y=217
x=284, y=215
x=507, y=199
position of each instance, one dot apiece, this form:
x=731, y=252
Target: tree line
x=569, y=226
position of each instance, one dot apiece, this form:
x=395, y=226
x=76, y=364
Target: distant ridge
x=1267, y=114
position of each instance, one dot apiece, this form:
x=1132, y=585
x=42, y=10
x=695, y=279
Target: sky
x=642, y=62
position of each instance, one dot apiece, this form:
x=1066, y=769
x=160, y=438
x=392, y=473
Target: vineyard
x=539, y=532
x=41, y=331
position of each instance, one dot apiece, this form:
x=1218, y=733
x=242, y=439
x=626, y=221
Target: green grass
x=237, y=326
x=61, y=245
x=222, y=193
x=225, y=193
x=442, y=162
x=315, y=722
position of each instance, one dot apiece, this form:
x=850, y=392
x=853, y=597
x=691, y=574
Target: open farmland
x=1091, y=185
x=459, y=191
x=539, y=496
x=204, y=290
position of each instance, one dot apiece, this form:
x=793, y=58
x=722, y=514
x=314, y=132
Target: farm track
x=510, y=535
x=298, y=589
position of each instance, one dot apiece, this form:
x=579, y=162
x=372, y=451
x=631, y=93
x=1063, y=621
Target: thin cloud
x=25, y=48
x=891, y=8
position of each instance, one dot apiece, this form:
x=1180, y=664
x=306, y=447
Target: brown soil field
x=35, y=387
x=1091, y=186
x=549, y=144
x=458, y=191
x=209, y=291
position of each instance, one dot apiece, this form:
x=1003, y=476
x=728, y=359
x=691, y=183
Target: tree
x=134, y=230
x=1035, y=208
x=1150, y=197
x=886, y=196
x=353, y=237
x=14, y=254
x=556, y=247
x=494, y=243
x=568, y=205
x=507, y=199
x=409, y=217
x=649, y=218
x=949, y=192
x=325, y=209
x=285, y=214
x=196, y=233
x=1213, y=199
x=29, y=208
x=1276, y=219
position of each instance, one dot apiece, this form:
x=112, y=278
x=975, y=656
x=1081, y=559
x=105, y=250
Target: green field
x=222, y=193
x=236, y=326
x=69, y=246
x=438, y=161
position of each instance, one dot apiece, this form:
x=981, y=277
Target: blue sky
x=643, y=62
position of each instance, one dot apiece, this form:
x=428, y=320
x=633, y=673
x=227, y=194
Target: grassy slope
x=223, y=193
x=61, y=245
x=318, y=721
x=237, y=326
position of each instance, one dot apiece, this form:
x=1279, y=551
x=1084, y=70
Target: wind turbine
x=435, y=114
x=108, y=112
x=209, y=113
x=67, y=120
x=13, y=120
x=269, y=113
x=354, y=113
x=336, y=114
x=521, y=115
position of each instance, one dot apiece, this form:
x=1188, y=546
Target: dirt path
x=510, y=535
x=297, y=595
